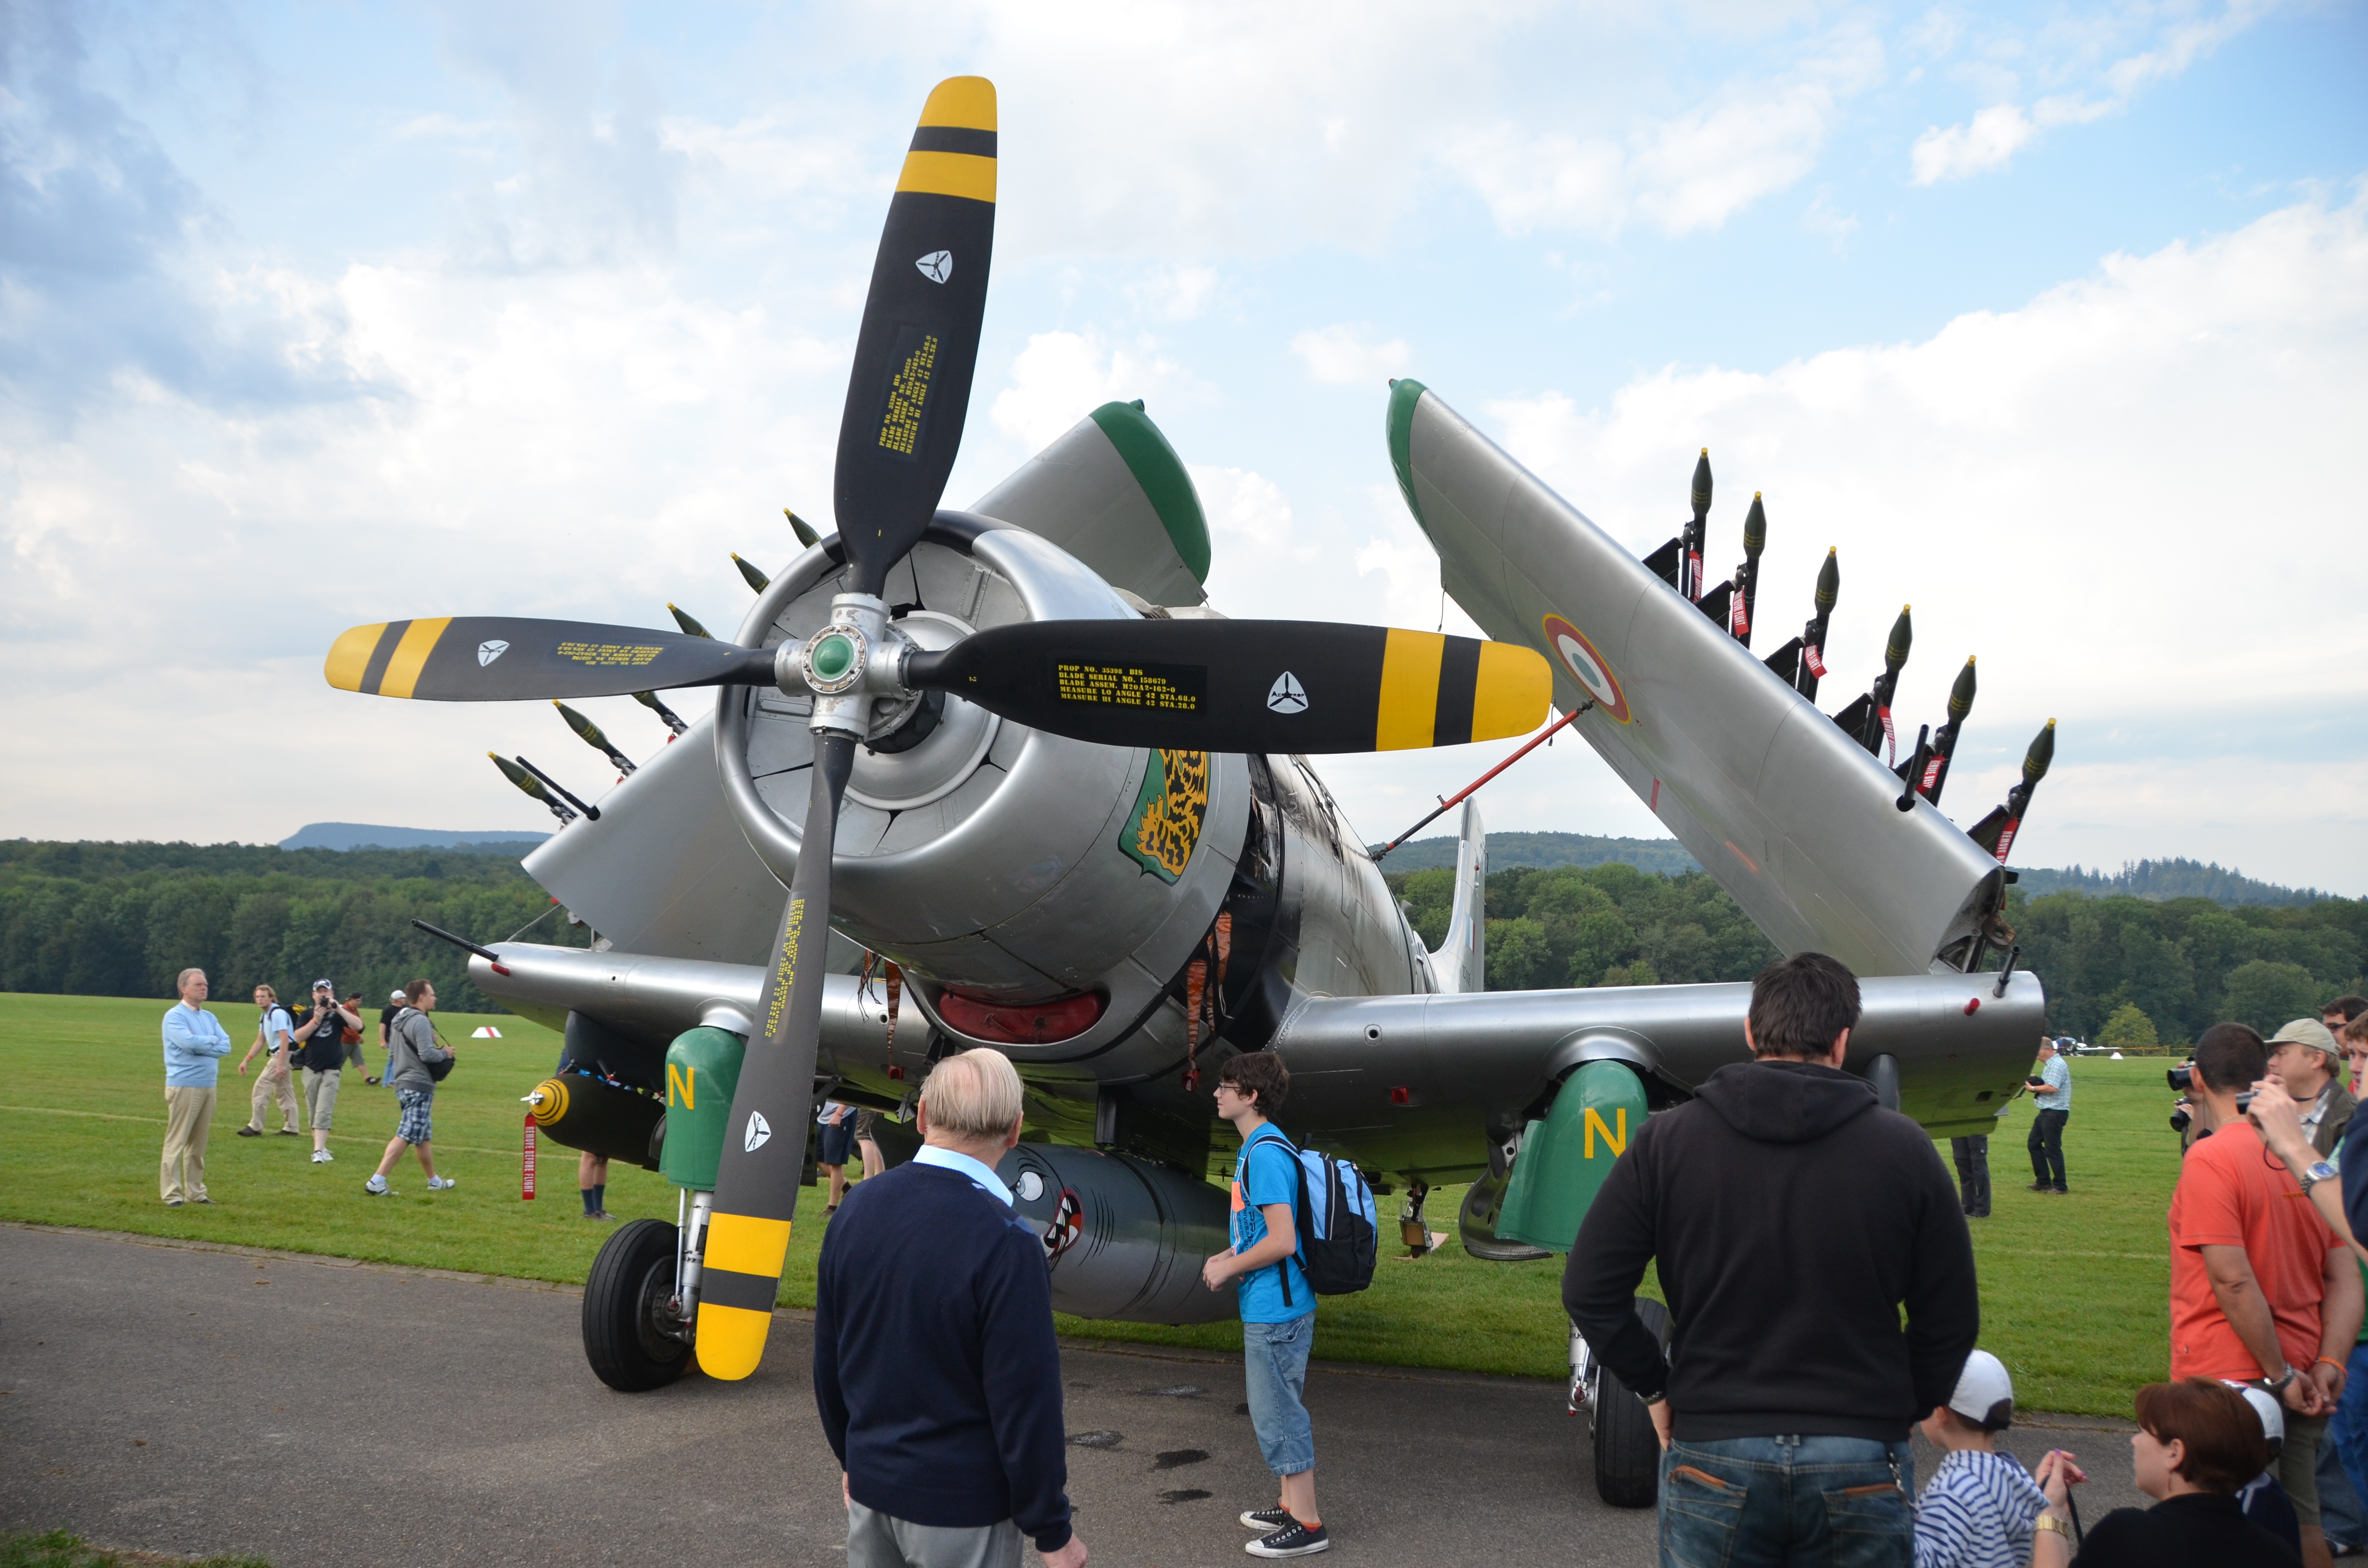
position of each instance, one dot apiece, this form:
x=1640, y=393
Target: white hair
x=182, y=979
x=974, y=1094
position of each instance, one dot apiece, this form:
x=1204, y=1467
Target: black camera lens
x=2243, y=1102
x=2178, y=1120
x=2182, y=1078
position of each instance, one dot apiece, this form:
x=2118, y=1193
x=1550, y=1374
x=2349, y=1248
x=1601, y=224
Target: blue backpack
x=1335, y=1216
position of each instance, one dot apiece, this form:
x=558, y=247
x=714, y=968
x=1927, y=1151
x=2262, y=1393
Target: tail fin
x=1459, y=962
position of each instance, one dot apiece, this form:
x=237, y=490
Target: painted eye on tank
x=1030, y=1187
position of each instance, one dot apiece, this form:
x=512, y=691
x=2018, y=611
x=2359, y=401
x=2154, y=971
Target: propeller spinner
x=1284, y=687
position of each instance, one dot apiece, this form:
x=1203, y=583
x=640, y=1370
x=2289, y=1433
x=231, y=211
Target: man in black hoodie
x=1791, y=1218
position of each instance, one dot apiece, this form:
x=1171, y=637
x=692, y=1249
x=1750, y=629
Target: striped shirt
x=1979, y=1511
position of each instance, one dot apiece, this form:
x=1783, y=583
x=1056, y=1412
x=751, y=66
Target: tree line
x=123, y=919
x=2185, y=963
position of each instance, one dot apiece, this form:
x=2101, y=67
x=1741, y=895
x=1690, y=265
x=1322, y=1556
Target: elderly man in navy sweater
x=934, y=1363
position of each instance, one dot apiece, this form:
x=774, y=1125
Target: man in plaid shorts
x=412, y=1048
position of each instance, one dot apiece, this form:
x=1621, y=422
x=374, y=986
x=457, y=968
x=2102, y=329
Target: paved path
x=316, y=1411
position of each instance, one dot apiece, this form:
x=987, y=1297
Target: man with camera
x=2051, y=1086
x=271, y=1038
x=2261, y=1289
x=2304, y=1058
x=320, y=1034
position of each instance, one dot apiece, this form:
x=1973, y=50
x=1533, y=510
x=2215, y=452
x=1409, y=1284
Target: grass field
x=2073, y=1289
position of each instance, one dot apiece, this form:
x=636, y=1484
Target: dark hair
x=1799, y=1004
x=2231, y=1057
x=1259, y=1073
x=2225, y=1445
x=411, y=992
x=2350, y=1007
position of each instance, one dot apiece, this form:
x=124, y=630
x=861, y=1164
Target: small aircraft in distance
x=1070, y=814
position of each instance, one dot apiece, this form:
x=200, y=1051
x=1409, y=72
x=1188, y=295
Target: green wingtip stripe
x=1165, y=483
x=1404, y=393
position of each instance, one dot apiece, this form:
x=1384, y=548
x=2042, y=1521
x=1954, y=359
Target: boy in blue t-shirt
x=1278, y=1309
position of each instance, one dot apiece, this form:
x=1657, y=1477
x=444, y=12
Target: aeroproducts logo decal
x=1593, y=672
x=489, y=652
x=937, y=266
x=1286, y=695
x=758, y=1130
x=1165, y=826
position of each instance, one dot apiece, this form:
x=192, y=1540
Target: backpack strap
x=1299, y=1204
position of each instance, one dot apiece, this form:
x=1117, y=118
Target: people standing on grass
x=272, y=1034
x=592, y=1182
x=321, y=1056
x=415, y=1050
x=395, y=1003
x=1820, y=1281
x=2305, y=1058
x=2051, y=1083
x=195, y=1043
x=2262, y=1289
x=838, y=1123
x=1276, y=1304
x=1972, y=1158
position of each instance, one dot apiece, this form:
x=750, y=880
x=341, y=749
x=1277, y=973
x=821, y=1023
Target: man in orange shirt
x=2261, y=1291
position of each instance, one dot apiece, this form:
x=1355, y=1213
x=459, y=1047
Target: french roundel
x=1579, y=656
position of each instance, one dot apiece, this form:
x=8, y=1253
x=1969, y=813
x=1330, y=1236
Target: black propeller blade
x=502, y=658
x=909, y=390
x=907, y=399
x=1245, y=685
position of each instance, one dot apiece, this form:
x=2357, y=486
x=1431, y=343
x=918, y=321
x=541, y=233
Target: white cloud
x=1681, y=174
x=2090, y=492
x=1346, y=356
x=1985, y=143
x=1061, y=376
x=2064, y=52
x=1174, y=293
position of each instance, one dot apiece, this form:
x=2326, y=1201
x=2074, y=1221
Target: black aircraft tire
x=632, y=1278
x=1627, y=1449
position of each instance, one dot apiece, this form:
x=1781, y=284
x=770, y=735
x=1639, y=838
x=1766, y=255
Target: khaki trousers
x=320, y=1097
x=269, y=1084
x=188, y=1116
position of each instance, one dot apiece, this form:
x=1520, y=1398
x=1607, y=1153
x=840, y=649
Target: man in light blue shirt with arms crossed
x=195, y=1043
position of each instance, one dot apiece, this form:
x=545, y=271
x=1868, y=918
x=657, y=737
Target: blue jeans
x=1769, y=1502
x=2349, y=1426
x=1274, y=1360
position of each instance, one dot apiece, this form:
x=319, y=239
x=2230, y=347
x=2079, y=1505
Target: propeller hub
x=835, y=659
x=856, y=657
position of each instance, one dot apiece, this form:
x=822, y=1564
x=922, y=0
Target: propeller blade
x=758, y=582
x=689, y=622
x=765, y=1141
x=500, y=658
x=1245, y=685
x=909, y=389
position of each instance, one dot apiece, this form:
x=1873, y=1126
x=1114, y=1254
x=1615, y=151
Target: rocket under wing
x=1793, y=818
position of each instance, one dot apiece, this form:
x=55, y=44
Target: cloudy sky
x=2054, y=320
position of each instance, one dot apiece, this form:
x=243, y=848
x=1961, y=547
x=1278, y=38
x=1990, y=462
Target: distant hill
x=2151, y=880
x=1506, y=850
x=364, y=836
x=2159, y=879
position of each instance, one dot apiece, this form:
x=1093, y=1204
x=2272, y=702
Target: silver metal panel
x=665, y=870
x=1079, y=494
x=662, y=997
x=1793, y=818
x=1146, y=1230
x=1459, y=963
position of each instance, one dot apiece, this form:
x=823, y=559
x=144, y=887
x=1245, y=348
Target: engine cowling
x=1011, y=868
x=1128, y=1237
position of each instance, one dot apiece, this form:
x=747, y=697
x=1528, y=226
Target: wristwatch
x=2050, y=1522
x=2278, y=1385
x=2319, y=1172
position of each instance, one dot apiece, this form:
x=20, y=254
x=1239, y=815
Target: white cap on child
x=2265, y=1405
x=1985, y=1394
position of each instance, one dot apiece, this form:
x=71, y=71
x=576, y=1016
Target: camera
x=2182, y=1078
x=2244, y=1101
x=2180, y=1119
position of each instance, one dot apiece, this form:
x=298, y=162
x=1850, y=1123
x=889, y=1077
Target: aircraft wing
x=1794, y=819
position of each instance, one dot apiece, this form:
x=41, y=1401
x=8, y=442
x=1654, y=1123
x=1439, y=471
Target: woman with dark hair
x=2196, y=1444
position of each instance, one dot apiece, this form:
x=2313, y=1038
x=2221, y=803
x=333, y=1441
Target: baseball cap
x=2309, y=1033
x=1985, y=1394
x=322, y=986
x=2265, y=1405
x=397, y=996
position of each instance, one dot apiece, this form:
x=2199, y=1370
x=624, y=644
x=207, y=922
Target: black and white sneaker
x=1295, y=1540
x=1265, y=1521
